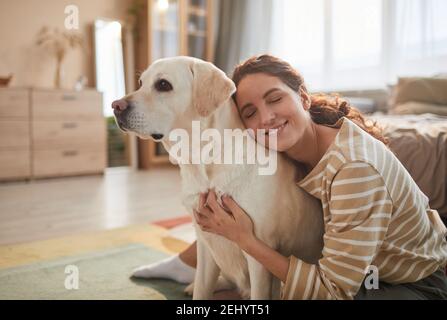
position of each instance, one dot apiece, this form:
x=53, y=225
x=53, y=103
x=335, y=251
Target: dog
x=176, y=91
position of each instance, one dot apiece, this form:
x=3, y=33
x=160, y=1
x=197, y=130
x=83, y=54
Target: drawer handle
x=68, y=97
x=69, y=125
x=70, y=153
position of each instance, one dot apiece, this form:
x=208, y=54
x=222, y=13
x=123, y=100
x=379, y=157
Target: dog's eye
x=163, y=86
x=140, y=83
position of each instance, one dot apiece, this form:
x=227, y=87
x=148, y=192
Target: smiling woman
x=375, y=216
x=266, y=88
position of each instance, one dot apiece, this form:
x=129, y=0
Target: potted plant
x=58, y=43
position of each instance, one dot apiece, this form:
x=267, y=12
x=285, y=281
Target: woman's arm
x=237, y=226
x=358, y=226
x=271, y=259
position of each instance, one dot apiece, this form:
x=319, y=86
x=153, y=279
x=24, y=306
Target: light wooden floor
x=45, y=209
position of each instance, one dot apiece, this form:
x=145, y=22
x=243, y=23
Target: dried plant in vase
x=58, y=43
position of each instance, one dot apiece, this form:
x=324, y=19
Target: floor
x=45, y=209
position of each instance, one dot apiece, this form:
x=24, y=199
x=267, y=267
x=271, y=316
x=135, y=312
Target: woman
x=376, y=218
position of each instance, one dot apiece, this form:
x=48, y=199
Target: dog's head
x=173, y=92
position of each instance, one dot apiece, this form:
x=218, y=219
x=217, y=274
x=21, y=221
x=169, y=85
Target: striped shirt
x=374, y=215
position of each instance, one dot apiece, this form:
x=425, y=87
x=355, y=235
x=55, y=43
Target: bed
x=420, y=143
x=413, y=114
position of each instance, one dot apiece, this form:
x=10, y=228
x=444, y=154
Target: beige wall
x=20, y=20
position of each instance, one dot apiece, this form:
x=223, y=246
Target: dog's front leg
x=261, y=280
x=206, y=274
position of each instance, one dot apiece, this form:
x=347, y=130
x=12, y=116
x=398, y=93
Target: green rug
x=103, y=275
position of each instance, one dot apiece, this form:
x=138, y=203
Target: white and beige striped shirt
x=374, y=214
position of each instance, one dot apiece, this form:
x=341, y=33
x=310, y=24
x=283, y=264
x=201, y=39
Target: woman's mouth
x=277, y=129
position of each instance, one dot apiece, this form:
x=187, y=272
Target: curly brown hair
x=324, y=110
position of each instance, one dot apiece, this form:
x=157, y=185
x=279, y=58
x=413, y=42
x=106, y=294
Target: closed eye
x=250, y=114
x=275, y=100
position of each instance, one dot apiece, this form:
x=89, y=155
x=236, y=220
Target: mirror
x=111, y=82
x=110, y=78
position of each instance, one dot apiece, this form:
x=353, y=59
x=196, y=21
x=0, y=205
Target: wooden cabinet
x=15, y=140
x=171, y=28
x=49, y=133
x=63, y=105
x=68, y=133
x=14, y=103
x=67, y=160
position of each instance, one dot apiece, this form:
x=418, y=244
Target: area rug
x=103, y=260
x=102, y=275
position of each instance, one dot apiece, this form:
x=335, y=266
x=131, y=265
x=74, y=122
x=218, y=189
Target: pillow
x=413, y=107
x=365, y=105
x=427, y=90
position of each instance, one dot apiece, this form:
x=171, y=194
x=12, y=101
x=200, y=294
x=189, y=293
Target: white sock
x=170, y=268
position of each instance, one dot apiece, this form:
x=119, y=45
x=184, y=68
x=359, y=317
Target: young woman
x=376, y=218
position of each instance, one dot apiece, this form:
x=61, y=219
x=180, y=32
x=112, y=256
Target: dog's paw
x=189, y=290
x=223, y=284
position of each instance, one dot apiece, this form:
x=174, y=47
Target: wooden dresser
x=49, y=133
x=15, y=137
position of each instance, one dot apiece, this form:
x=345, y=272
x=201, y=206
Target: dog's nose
x=120, y=105
x=157, y=136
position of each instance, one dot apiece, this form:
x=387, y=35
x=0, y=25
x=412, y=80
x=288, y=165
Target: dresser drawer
x=48, y=133
x=14, y=163
x=14, y=133
x=68, y=161
x=14, y=103
x=66, y=105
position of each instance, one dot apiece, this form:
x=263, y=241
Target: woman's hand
x=230, y=222
x=234, y=224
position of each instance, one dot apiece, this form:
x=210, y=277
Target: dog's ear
x=211, y=87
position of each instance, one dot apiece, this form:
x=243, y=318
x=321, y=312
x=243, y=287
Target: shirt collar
x=321, y=165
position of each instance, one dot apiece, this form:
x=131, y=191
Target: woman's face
x=265, y=102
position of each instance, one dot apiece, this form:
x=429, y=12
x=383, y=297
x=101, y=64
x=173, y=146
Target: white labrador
x=173, y=93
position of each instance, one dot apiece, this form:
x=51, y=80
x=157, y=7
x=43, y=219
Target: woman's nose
x=267, y=116
x=120, y=105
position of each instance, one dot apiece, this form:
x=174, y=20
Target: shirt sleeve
x=360, y=211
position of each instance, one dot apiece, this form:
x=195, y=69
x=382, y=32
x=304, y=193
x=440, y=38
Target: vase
x=59, y=74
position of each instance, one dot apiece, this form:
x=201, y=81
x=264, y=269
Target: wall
x=20, y=21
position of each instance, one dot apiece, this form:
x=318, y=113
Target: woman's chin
x=278, y=146
x=280, y=149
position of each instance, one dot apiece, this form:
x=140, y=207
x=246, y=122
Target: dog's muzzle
x=121, y=118
x=128, y=119
x=121, y=111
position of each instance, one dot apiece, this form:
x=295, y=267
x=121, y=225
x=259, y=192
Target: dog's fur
x=285, y=217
